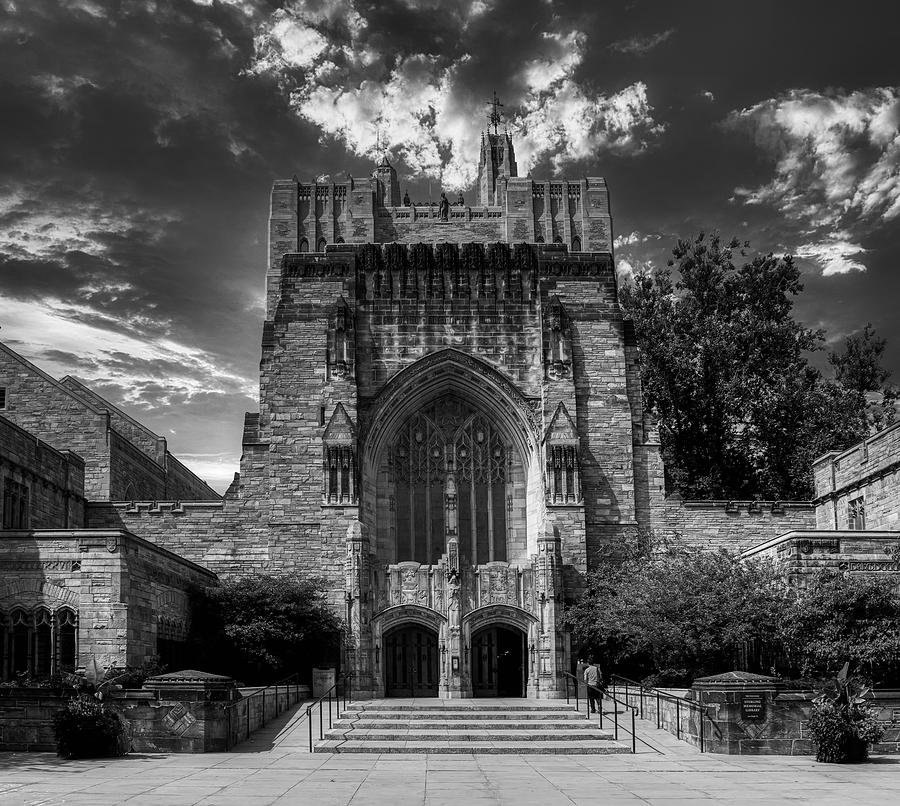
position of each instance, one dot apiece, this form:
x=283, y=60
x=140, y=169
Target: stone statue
x=406, y=202
x=460, y=201
x=444, y=208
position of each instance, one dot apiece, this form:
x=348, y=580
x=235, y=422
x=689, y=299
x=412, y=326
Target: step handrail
x=331, y=695
x=680, y=702
x=604, y=694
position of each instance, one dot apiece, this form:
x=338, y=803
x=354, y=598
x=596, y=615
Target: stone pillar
x=453, y=683
x=359, y=653
x=749, y=714
x=550, y=652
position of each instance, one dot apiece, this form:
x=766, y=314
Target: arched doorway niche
x=450, y=429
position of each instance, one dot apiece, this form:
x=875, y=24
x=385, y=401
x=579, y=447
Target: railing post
x=616, y=718
x=321, y=734
x=331, y=693
x=602, y=695
x=658, y=714
x=641, y=692
x=309, y=724
x=567, y=690
x=633, y=737
x=678, y=718
x=262, y=722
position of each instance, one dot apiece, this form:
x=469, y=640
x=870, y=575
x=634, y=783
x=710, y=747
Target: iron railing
x=603, y=695
x=648, y=699
x=341, y=691
x=242, y=716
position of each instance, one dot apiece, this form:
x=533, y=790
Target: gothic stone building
x=450, y=430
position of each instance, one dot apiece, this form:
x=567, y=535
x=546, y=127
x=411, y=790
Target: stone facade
x=124, y=597
x=123, y=460
x=859, y=488
x=731, y=525
x=43, y=488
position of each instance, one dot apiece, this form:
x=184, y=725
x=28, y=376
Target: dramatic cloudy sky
x=138, y=140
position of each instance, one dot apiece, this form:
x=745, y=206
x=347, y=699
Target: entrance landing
x=431, y=725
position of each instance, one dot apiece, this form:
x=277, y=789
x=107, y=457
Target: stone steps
x=467, y=726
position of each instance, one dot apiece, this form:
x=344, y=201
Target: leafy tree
x=857, y=367
x=680, y=613
x=263, y=627
x=840, y=618
x=724, y=364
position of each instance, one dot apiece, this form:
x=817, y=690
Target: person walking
x=579, y=676
x=592, y=679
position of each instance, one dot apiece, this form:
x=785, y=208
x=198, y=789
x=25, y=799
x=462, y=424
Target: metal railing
x=669, y=710
x=251, y=712
x=601, y=696
x=333, y=695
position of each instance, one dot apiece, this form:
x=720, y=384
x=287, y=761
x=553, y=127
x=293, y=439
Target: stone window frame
x=2, y=398
x=16, y=513
x=47, y=635
x=856, y=514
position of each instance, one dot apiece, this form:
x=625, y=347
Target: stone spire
x=498, y=158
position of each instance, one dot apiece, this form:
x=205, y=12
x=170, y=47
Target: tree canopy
x=263, y=627
x=741, y=412
x=680, y=613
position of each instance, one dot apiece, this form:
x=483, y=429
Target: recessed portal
x=498, y=662
x=411, y=662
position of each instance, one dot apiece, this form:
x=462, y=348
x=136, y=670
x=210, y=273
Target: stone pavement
x=274, y=767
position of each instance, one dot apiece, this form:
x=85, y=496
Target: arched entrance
x=411, y=662
x=498, y=662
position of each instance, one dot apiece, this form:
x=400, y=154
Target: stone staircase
x=466, y=726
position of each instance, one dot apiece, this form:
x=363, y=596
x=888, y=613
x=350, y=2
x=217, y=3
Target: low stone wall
x=732, y=525
x=26, y=718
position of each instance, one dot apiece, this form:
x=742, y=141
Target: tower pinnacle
x=495, y=115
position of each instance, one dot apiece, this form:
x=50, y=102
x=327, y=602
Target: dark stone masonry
x=451, y=430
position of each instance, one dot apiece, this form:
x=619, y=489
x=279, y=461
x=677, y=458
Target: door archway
x=411, y=662
x=498, y=662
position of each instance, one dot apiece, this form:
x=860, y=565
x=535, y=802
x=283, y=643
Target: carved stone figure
x=444, y=208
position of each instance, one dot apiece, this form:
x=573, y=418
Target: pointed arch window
x=576, y=244
x=320, y=247
x=450, y=457
x=304, y=245
x=38, y=643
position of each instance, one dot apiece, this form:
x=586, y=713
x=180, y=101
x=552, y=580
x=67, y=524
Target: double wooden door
x=411, y=662
x=498, y=663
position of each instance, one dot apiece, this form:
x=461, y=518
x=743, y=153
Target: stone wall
x=731, y=525
x=123, y=460
x=801, y=554
x=120, y=586
x=869, y=471
x=45, y=408
x=26, y=718
x=54, y=479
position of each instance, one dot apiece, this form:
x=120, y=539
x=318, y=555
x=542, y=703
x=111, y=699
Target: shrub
x=842, y=724
x=89, y=728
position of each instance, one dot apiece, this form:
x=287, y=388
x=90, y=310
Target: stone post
x=550, y=652
x=359, y=652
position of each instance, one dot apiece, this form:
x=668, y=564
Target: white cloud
x=836, y=166
x=175, y=370
x=627, y=240
x=639, y=45
x=836, y=254
x=354, y=87
x=707, y=96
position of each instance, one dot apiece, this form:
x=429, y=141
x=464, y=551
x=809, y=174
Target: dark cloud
x=139, y=143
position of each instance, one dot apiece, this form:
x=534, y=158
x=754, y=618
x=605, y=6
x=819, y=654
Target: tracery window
x=38, y=643
x=450, y=442
x=856, y=514
x=15, y=505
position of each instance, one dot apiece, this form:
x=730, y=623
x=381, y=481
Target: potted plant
x=842, y=724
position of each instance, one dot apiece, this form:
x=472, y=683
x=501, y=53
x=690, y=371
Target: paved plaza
x=275, y=767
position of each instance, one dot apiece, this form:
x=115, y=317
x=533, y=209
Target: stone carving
x=444, y=208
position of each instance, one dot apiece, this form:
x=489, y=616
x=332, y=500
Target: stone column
x=359, y=653
x=550, y=652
